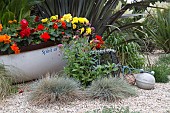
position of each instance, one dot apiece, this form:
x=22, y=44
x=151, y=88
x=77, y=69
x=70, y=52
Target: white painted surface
x=34, y=64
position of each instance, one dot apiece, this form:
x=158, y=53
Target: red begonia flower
x=25, y=32
x=64, y=24
x=40, y=27
x=37, y=19
x=24, y=23
x=45, y=36
x=55, y=26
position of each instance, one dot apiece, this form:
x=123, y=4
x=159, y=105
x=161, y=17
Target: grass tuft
x=6, y=87
x=55, y=89
x=110, y=89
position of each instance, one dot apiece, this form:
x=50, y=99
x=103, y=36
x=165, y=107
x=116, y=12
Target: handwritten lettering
x=46, y=51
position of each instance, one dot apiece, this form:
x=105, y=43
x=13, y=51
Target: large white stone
x=145, y=81
x=33, y=64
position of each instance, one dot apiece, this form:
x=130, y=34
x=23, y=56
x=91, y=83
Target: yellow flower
x=15, y=21
x=67, y=17
x=10, y=21
x=88, y=30
x=44, y=20
x=56, y=16
x=74, y=26
x=75, y=20
x=86, y=21
x=53, y=18
x=81, y=20
x=81, y=30
x=1, y=27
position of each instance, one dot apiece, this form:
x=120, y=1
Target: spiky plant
x=110, y=89
x=6, y=87
x=55, y=89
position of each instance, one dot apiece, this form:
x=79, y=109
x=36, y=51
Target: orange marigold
x=1, y=27
x=15, y=48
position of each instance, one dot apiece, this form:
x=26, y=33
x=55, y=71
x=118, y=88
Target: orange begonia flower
x=15, y=48
x=7, y=39
x=1, y=27
x=2, y=38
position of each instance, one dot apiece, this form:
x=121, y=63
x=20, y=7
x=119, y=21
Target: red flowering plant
x=57, y=30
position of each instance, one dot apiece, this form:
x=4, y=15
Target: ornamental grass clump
x=6, y=87
x=110, y=89
x=55, y=89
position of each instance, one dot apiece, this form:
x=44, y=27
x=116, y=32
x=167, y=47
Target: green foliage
x=15, y=9
x=158, y=28
x=55, y=89
x=81, y=62
x=6, y=87
x=98, y=12
x=112, y=110
x=110, y=89
x=127, y=51
x=164, y=59
x=162, y=71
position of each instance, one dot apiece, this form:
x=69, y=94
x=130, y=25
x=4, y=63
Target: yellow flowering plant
x=37, y=31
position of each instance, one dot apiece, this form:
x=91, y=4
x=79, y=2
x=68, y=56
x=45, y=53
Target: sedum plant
x=110, y=89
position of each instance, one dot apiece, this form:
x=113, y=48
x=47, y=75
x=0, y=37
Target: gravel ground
x=147, y=101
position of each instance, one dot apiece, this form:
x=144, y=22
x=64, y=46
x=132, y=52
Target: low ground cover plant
x=112, y=110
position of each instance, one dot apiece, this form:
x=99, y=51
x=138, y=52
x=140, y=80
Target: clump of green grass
x=112, y=110
x=162, y=71
x=6, y=87
x=55, y=89
x=110, y=89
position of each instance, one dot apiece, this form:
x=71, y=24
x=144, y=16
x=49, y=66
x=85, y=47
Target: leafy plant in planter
x=37, y=31
x=99, y=12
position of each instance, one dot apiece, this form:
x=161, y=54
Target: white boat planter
x=34, y=64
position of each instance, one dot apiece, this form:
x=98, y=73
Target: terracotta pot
x=33, y=64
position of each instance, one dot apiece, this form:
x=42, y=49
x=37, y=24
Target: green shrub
x=6, y=87
x=81, y=63
x=128, y=53
x=112, y=110
x=110, y=89
x=55, y=89
x=161, y=72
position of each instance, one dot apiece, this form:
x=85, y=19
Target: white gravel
x=147, y=101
